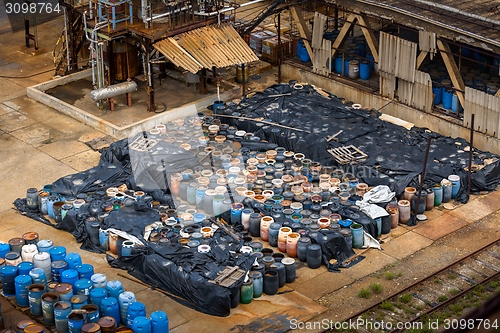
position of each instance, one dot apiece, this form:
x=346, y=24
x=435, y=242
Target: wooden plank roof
x=212, y=46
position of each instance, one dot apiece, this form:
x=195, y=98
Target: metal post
x=336, y=18
x=66, y=36
x=279, y=47
x=203, y=81
x=111, y=64
x=35, y=32
x=214, y=73
x=422, y=177
x=243, y=78
x=150, y=77
x=72, y=14
x=27, y=32
x=471, y=148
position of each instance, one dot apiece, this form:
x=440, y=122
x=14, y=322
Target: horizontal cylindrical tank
x=113, y=90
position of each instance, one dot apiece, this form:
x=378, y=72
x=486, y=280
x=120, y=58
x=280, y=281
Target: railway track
x=437, y=301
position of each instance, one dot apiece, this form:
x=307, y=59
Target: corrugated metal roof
x=219, y=45
x=470, y=21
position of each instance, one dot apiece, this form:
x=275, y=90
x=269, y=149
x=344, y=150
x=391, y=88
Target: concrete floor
x=38, y=145
x=78, y=94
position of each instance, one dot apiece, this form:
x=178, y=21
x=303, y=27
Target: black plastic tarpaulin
x=395, y=154
x=185, y=273
x=395, y=158
x=102, y=176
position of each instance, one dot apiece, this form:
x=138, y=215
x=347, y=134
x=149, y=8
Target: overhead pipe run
x=227, y=9
x=97, y=78
x=179, y=10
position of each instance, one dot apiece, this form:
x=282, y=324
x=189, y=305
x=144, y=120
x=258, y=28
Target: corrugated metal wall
x=486, y=109
x=399, y=78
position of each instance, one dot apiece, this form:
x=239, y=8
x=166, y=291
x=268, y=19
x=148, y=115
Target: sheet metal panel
x=212, y=46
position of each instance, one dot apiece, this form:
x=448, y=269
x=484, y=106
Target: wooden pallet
x=143, y=144
x=228, y=276
x=347, y=154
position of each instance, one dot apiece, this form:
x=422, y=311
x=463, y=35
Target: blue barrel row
x=472, y=78
x=357, y=58
x=353, y=68
x=483, y=61
x=75, y=286
x=444, y=94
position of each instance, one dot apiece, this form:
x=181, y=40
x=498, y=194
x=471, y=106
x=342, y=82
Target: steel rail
x=448, y=301
x=481, y=249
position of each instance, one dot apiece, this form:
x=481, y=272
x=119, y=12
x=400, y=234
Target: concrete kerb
x=38, y=93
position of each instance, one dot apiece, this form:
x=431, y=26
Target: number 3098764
x=32, y=8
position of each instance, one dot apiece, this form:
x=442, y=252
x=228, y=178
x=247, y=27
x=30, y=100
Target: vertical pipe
x=151, y=90
x=66, y=38
x=111, y=64
x=35, y=33
x=91, y=47
x=243, y=78
x=27, y=32
x=97, y=66
x=101, y=56
x=279, y=47
x=422, y=177
x=336, y=18
x=470, y=152
x=203, y=81
x=144, y=5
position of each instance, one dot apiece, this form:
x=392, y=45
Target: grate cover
x=228, y=276
x=347, y=154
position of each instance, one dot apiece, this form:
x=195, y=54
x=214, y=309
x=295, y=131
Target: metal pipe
x=98, y=67
x=167, y=14
x=243, y=78
x=144, y=6
x=247, y=4
x=279, y=47
x=469, y=175
x=336, y=18
x=422, y=177
x=66, y=37
x=35, y=33
x=102, y=64
x=91, y=47
x=144, y=60
x=92, y=38
x=227, y=9
x=91, y=16
x=159, y=62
